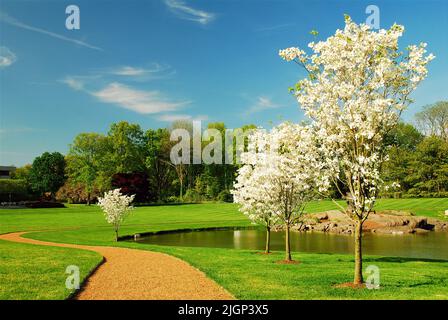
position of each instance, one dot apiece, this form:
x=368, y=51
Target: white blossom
x=292, y=53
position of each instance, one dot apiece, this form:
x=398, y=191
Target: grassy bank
x=36, y=272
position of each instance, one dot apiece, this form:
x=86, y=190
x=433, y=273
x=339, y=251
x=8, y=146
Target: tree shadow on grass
x=427, y=283
x=402, y=260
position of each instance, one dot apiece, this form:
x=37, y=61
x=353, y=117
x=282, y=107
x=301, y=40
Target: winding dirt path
x=139, y=274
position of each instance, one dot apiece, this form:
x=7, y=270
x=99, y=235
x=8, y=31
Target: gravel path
x=139, y=274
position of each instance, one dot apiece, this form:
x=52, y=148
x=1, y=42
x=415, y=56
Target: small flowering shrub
x=116, y=206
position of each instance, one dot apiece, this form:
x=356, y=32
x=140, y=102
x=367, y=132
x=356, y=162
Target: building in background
x=5, y=172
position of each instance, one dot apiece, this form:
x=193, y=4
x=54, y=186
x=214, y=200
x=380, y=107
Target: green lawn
x=82, y=224
x=37, y=272
x=261, y=276
x=429, y=207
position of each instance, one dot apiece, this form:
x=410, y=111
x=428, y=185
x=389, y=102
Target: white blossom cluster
x=115, y=206
x=290, y=54
x=281, y=172
x=358, y=85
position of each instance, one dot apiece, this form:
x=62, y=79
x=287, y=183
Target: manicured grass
x=421, y=207
x=142, y=218
x=29, y=272
x=429, y=207
x=245, y=274
x=81, y=224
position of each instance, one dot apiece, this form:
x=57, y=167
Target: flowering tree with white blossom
x=116, y=207
x=358, y=84
x=281, y=173
x=253, y=203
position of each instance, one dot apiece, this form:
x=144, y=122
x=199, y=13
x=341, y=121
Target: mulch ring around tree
x=350, y=285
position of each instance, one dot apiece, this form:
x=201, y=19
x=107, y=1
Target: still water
x=433, y=245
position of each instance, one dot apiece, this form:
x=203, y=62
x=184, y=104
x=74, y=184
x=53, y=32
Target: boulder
x=382, y=222
x=321, y=216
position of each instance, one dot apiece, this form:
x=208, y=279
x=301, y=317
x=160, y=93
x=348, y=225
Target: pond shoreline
x=334, y=222
x=183, y=230
x=419, y=246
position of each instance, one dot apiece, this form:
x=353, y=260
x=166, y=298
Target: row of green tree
x=418, y=158
x=124, y=157
x=139, y=161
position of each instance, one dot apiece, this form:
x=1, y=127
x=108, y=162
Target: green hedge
x=13, y=190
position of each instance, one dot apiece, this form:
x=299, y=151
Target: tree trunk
x=88, y=198
x=358, y=253
x=287, y=245
x=181, y=192
x=116, y=234
x=268, y=239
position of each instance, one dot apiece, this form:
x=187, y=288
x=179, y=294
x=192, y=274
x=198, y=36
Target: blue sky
x=150, y=62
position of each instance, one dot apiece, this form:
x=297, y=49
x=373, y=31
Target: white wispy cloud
x=104, y=86
x=144, y=102
x=7, y=57
x=129, y=71
x=155, y=71
x=176, y=117
x=73, y=83
x=14, y=22
x=182, y=10
x=263, y=103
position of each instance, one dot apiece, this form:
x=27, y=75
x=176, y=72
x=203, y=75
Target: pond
x=432, y=245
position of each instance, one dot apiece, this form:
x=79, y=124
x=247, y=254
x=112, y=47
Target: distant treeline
x=132, y=159
x=138, y=162
x=418, y=163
